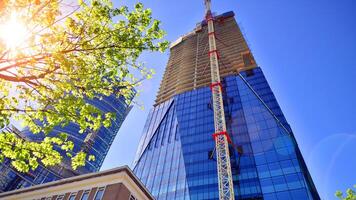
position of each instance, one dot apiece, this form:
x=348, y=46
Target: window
x=60, y=197
x=249, y=72
x=132, y=197
x=99, y=194
x=72, y=196
x=248, y=59
x=85, y=195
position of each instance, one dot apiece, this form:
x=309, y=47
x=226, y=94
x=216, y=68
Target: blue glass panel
x=264, y=158
x=11, y=179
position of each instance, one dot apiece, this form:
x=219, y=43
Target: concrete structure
x=188, y=66
x=114, y=184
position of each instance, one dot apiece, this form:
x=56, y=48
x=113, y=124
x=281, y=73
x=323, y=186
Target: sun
x=13, y=32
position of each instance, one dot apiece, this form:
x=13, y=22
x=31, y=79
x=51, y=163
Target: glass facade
x=100, y=143
x=176, y=158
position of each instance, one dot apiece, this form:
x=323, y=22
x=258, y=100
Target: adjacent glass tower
x=176, y=156
x=97, y=145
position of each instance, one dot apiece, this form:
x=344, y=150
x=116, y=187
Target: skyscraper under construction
x=178, y=157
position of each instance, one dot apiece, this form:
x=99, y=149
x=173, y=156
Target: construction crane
x=221, y=137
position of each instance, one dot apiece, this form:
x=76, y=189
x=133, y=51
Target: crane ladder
x=221, y=137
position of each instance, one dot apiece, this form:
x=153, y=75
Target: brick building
x=114, y=184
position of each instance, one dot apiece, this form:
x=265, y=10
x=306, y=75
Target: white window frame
x=104, y=188
x=132, y=197
x=60, y=197
x=71, y=194
x=81, y=198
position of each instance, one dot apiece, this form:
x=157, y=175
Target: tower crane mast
x=221, y=137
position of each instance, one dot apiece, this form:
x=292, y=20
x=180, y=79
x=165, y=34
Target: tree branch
x=23, y=62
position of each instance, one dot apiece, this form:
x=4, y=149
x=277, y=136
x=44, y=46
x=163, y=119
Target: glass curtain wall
x=176, y=157
x=11, y=179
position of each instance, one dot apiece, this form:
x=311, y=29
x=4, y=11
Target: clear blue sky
x=307, y=50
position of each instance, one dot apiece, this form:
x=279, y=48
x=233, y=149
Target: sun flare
x=13, y=33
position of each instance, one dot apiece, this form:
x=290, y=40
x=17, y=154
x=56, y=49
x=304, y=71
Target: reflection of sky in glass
x=270, y=167
x=9, y=179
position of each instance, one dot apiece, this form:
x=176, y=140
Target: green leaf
x=91, y=158
x=91, y=54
